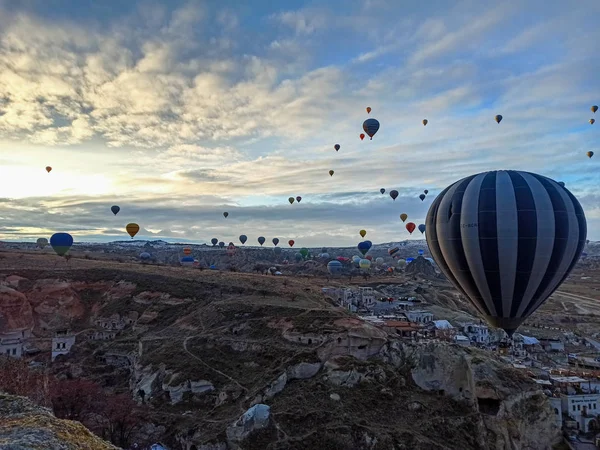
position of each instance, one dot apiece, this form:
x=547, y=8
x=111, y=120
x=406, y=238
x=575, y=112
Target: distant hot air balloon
x=304, y=252
x=145, y=257
x=421, y=252
x=225, y=214
x=590, y=154
x=362, y=136
x=422, y=228
x=403, y=217
x=369, y=257
x=334, y=267
x=298, y=199
x=132, y=229
x=401, y=262
x=261, y=240
x=379, y=261
x=425, y=122
x=221, y=244
x=231, y=249
x=594, y=109
x=422, y=197
x=410, y=227
x=337, y=147
x=61, y=243
x=291, y=200
x=331, y=172
x=48, y=169
x=277, y=250
x=214, y=241
x=115, y=209
x=243, y=239
x=393, y=250
x=187, y=261
x=362, y=233
x=592, y=121
x=368, y=110
x=364, y=264
x=394, y=194
x=382, y=190
x=507, y=268
x=291, y=242
x=409, y=260
x=363, y=247
x=371, y=126
x=426, y=192
x=498, y=118
x=275, y=241
x=187, y=251
x=42, y=242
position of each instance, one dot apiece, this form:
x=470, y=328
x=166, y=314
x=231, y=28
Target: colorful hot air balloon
x=132, y=229
x=291, y=200
x=426, y=192
x=187, y=251
x=590, y=154
x=363, y=247
x=393, y=250
x=369, y=257
x=422, y=197
x=225, y=214
x=403, y=217
x=337, y=147
x=506, y=240
x=382, y=190
x=42, y=242
x=364, y=264
x=214, y=241
x=275, y=241
x=394, y=194
x=334, y=267
x=331, y=172
x=115, y=209
x=362, y=233
x=298, y=199
x=421, y=252
x=362, y=136
x=594, y=109
x=371, y=126
x=261, y=240
x=498, y=118
x=410, y=227
x=425, y=122
x=401, y=262
x=368, y=110
x=187, y=261
x=243, y=238
x=48, y=169
x=422, y=228
x=291, y=242
x=379, y=261
x=61, y=243
x=592, y=121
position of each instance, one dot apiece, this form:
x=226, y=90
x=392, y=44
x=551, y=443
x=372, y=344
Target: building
x=401, y=327
x=419, y=316
x=366, y=296
x=556, y=403
x=477, y=333
x=462, y=340
x=62, y=342
x=12, y=342
x=584, y=409
x=552, y=345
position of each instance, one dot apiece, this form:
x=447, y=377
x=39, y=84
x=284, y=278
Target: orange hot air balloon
x=187, y=251
x=592, y=121
x=362, y=136
x=590, y=154
x=291, y=242
x=410, y=227
x=368, y=110
x=132, y=229
x=48, y=169
x=403, y=217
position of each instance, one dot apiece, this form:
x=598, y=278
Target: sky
x=178, y=111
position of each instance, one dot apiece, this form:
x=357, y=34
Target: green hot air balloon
x=304, y=252
x=291, y=200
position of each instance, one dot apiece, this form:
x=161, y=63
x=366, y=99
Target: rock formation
x=421, y=266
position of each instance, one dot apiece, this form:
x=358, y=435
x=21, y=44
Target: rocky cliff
x=24, y=425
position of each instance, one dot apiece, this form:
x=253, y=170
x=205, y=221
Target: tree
x=17, y=378
x=120, y=418
x=76, y=399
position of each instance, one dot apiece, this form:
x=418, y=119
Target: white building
x=366, y=296
x=62, y=342
x=11, y=342
x=477, y=333
x=584, y=409
x=462, y=340
x=556, y=403
x=419, y=316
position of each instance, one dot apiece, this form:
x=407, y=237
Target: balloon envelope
x=261, y=240
x=298, y=199
x=421, y=252
x=334, y=267
x=243, y=238
x=364, y=264
x=48, y=169
x=214, y=241
x=506, y=240
x=337, y=147
x=422, y=228
x=362, y=233
x=42, y=242
x=221, y=244
x=225, y=214
x=132, y=229
x=422, y=197
x=291, y=242
x=371, y=126
x=382, y=190
x=394, y=194
x=145, y=256
x=410, y=227
x=275, y=241
x=363, y=247
x=61, y=243
x=498, y=118
x=403, y=216
x=187, y=251
x=115, y=209
x=291, y=200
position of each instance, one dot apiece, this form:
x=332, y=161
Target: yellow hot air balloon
x=403, y=216
x=132, y=229
x=331, y=172
x=362, y=233
x=425, y=121
x=48, y=169
x=368, y=110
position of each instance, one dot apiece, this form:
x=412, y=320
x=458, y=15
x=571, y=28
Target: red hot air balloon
x=410, y=227
x=291, y=242
x=362, y=136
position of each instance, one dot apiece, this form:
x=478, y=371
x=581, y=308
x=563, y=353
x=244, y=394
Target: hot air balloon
x=362, y=136
x=590, y=154
x=187, y=261
x=243, y=239
x=324, y=256
x=48, y=169
x=409, y=260
x=421, y=252
x=132, y=229
x=214, y=241
x=115, y=209
x=498, y=118
x=422, y=228
x=334, y=267
x=356, y=259
x=261, y=240
x=363, y=247
x=368, y=110
x=291, y=200
x=592, y=121
x=61, y=243
x=393, y=250
x=230, y=249
x=401, y=262
x=594, y=109
x=371, y=126
x=277, y=250
x=382, y=190
x=364, y=264
x=145, y=257
x=337, y=147
x=506, y=240
x=362, y=233
x=298, y=257
x=369, y=257
x=221, y=244
x=42, y=242
x=275, y=241
x=410, y=227
x=426, y=192
x=422, y=197
x=394, y=194
x=187, y=251
x=225, y=214
x=425, y=121
x=298, y=199
x=403, y=217
x=304, y=252
x=291, y=242
x=331, y=172
x=379, y=261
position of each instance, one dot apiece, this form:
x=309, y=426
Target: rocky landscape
x=222, y=360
